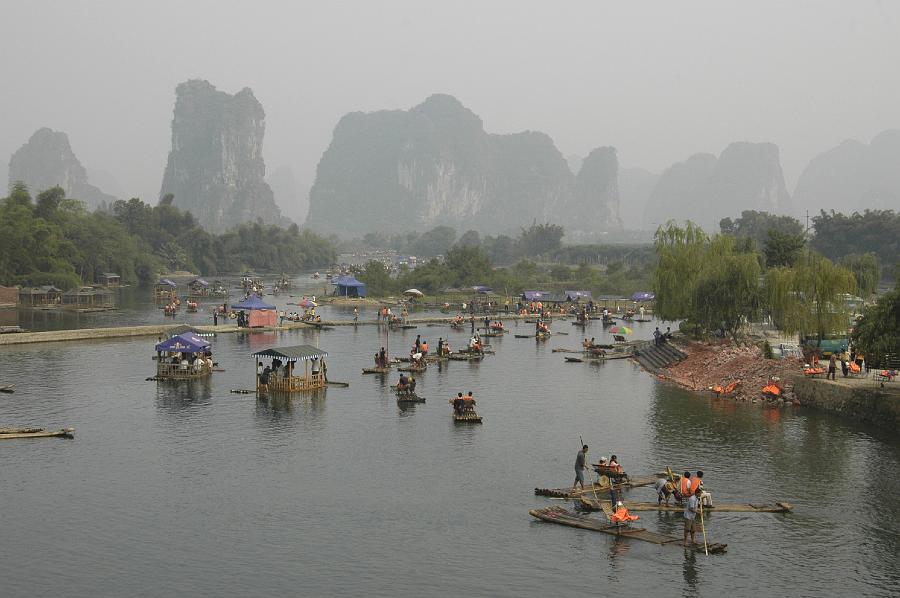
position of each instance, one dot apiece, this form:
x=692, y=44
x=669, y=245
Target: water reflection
x=178, y=397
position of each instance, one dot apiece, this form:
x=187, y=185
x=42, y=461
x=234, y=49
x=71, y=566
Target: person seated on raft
x=412, y=384
x=614, y=464
x=586, y=344
x=683, y=489
x=458, y=403
x=469, y=403
x=403, y=384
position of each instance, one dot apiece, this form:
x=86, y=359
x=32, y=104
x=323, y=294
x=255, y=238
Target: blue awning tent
x=251, y=303
x=348, y=286
x=198, y=282
x=165, y=282
x=183, y=343
x=578, y=295
x=643, y=296
x=535, y=295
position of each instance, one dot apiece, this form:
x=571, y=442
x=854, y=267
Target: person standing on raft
x=580, y=466
x=691, y=505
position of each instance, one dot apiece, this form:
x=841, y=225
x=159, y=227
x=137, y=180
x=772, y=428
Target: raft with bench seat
x=563, y=516
x=588, y=503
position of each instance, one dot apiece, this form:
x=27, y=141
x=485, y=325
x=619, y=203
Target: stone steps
x=654, y=358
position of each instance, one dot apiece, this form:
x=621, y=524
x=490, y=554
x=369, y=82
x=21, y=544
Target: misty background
x=658, y=81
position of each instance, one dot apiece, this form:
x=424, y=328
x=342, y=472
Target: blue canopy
x=535, y=295
x=643, y=296
x=348, y=286
x=199, y=281
x=252, y=302
x=576, y=295
x=183, y=343
x=166, y=282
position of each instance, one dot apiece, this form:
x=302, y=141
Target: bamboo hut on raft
x=183, y=357
x=164, y=291
x=278, y=369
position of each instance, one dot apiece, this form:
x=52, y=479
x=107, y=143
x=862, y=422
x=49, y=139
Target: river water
x=187, y=489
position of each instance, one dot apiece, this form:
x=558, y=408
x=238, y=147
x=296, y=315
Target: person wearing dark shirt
x=580, y=466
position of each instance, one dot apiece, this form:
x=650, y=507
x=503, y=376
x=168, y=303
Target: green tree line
x=53, y=240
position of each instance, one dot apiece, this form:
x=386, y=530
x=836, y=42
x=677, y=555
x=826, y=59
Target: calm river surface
x=186, y=489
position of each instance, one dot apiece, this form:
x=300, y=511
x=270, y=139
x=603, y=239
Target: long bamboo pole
x=703, y=527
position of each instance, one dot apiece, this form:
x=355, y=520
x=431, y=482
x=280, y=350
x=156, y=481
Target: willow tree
x=713, y=283
x=808, y=297
x=726, y=292
x=680, y=252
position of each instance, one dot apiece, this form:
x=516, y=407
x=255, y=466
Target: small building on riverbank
x=110, y=280
x=88, y=298
x=43, y=296
x=348, y=286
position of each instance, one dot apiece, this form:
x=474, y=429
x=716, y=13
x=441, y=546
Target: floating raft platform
x=405, y=398
x=35, y=433
x=568, y=493
x=466, y=356
x=467, y=418
x=589, y=503
x=376, y=370
x=569, y=518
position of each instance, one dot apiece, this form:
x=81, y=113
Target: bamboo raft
x=409, y=397
x=413, y=369
x=565, y=517
x=9, y=388
x=35, y=433
x=376, y=370
x=466, y=357
x=568, y=493
x=467, y=418
x=588, y=503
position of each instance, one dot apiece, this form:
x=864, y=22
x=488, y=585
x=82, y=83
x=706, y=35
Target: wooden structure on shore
x=110, y=280
x=563, y=516
x=88, y=298
x=44, y=296
x=313, y=377
x=7, y=433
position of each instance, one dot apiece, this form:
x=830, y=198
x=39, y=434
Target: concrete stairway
x=654, y=358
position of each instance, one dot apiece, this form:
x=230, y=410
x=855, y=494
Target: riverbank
x=720, y=363
x=710, y=364
x=859, y=399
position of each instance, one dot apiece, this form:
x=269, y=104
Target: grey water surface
x=187, y=489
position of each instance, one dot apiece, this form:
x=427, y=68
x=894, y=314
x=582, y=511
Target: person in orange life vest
x=705, y=497
x=684, y=487
x=425, y=348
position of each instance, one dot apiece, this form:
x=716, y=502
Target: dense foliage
x=714, y=283
x=878, y=333
x=873, y=231
x=53, y=240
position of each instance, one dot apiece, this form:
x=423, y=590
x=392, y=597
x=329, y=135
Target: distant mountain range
x=434, y=164
x=404, y=170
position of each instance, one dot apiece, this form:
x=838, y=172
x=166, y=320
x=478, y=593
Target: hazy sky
x=658, y=80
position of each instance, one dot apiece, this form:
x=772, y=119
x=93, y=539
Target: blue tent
x=183, y=343
x=165, y=282
x=252, y=302
x=643, y=296
x=348, y=286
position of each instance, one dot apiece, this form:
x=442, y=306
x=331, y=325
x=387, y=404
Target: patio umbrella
x=306, y=303
x=413, y=292
x=621, y=330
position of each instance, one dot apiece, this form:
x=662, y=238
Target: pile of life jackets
x=621, y=515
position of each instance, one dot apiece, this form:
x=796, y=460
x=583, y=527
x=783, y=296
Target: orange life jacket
x=684, y=487
x=621, y=516
x=424, y=347
x=771, y=389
